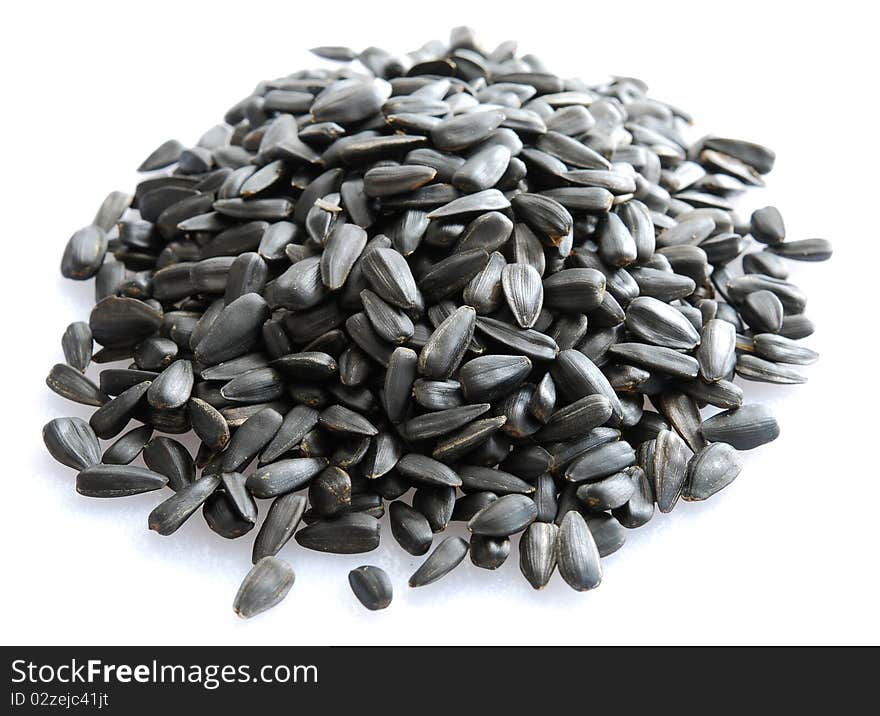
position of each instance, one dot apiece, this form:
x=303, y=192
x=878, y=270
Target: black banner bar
x=416, y=680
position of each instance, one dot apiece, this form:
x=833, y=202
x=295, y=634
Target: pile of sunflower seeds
x=452, y=271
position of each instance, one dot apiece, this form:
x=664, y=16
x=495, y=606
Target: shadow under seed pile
x=452, y=271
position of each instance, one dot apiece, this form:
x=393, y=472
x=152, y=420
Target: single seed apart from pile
x=452, y=271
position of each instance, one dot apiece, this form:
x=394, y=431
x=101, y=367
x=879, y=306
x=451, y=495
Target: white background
x=787, y=554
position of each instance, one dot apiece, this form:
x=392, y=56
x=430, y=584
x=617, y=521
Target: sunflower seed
x=284, y=476
x=640, y=507
x=803, y=250
x=711, y=470
x=751, y=367
x=505, y=516
x=281, y=522
x=489, y=552
x=111, y=418
x=447, y=345
x=72, y=442
x=173, y=386
x=168, y=457
x=117, y=481
x=410, y=528
x=526, y=341
x=264, y=586
x=371, y=586
x=169, y=515
x=783, y=350
x=128, y=447
x=744, y=428
x=349, y=533
x=164, y=155
x=438, y=394
x=524, y=292
x=465, y=130
x=576, y=418
x=446, y=557
x=577, y=554
x=576, y=377
x=600, y=461
x=330, y=491
x=71, y=384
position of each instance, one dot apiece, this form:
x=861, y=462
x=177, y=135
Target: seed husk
x=664, y=360
x=112, y=417
x=251, y=437
x=710, y=470
x=410, y=528
x=751, y=367
x=69, y=383
x=84, y=253
x=505, y=516
x=440, y=422
x=640, y=507
x=117, y=481
x=607, y=532
x=127, y=447
x=446, y=347
x=670, y=458
x=283, y=476
x=372, y=586
x=524, y=293
x=168, y=457
x=537, y=553
x=173, y=386
x=422, y=469
x=744, y=428
x=281, y=521
x=77, y=345
x=330, y=491
x=390, y=277
x=526, y=341
x=162, y=156
x=577, y=554
x=576, y=418
x=607, y=494
x=489, y=552
x=264, y=586
x=169, y=515
x=349, y=533
x=601, y=461
x=780, y=349
x=209, y=424
x=661, y=324
x=72, y=442
x=234, y=332
x=446, y=557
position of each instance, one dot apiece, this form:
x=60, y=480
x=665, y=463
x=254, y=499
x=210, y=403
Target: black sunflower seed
x=169, y=515
x=117, y=481
x=371, y=586
x=577, y=554
x=72, y=442
x=349, y=533
x=281, y=522
x=446, y=557
x=264, y=586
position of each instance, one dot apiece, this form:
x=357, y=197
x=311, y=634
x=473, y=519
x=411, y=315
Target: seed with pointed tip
x=422, y=469
x=465, y=130
x=576, y=376
x=549, y=219
x=661, y=324
x=371, y=586
x=669, y=468
x=238, y=496
x=77, y=345
x=526, y=341
x=168, y=516
x=84, y=253
x=505, y=516
x=607, y=494
x=235, y=331
x=284, y=476
x=281, y=522
x=117, y=481
x=341, y=249
x=486, y=378
x=208, y=423
x=399, y=377
x=483, y=169
x=410, y=528
x=767, y=225
x=446, y=557
x=576, y=418
x=440, y=422
x=120, y=322
x=251, y=437
x=711, y=470
x=716, y=353
x=298, y=421
x=537, y=553
x=168, y=457
x=69, y=383
x=128, y=447
x=447, y=345
x=524, y=292
x=616, y=245
x=390, y=277
x=574, y=290
x=601, y=461
x=470, y=437
x=783, y=350
x=266, y=584
x=744, y=428
x=72, y=442
x=173, y=386
x=664, y=360
x=110, y=419
x=751, y=367
x=489, y=552
x=476, y=477
x=577, y=554
x=763, y=311
x=349, y=533
x=390, y=322
x=339, y=419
